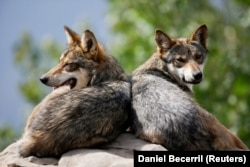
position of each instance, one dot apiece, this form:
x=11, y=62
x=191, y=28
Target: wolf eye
x=180, y=60
x=71, y=66
x=197, y=56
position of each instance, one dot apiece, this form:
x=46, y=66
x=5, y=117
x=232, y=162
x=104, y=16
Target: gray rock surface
x=116, y=154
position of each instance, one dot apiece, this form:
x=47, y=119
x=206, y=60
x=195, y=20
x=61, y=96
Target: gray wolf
x=88, y=105
x=163, y=109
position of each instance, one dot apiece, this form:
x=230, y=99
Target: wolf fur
x=164, y=111
x=89, y=105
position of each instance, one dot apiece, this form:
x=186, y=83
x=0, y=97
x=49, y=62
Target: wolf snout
x=44, y=79
x=198, y=76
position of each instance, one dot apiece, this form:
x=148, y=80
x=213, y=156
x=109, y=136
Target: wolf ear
x=164, y=42
x=89, y=44
x=72, y=37
x=200, y=35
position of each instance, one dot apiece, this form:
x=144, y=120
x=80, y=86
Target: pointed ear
x=200, y=35
x=164, y=42
x=72, y=37
x=89, y=42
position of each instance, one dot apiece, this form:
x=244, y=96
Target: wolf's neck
x=109, y=70
x=175, y=79
x=190, y=86
x=156, y=66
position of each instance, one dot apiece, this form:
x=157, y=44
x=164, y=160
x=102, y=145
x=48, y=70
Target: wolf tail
x=222, y=138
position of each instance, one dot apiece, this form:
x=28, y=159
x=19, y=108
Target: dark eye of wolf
x=71, y=67
x=180, y=60
x=198, y=56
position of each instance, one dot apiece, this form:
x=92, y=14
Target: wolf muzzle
x=198, y=76
x=44, y=79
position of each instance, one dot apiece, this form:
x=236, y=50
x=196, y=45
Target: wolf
x=163, y=109
x=88, y=105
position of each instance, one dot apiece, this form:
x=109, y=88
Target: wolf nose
x=44, y=79
x=198, y=76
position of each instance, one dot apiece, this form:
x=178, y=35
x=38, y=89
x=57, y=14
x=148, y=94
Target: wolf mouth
x=70, y=82
x=197, y=81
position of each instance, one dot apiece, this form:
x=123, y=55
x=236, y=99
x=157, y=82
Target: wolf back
x=164, y=111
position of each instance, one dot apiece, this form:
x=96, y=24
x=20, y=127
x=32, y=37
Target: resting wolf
x=164, y=111
x=88, y=105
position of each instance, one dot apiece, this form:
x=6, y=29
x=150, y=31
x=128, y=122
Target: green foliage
x=34, y=59
x=7, y=136
x=225, y=90
x=134, y=23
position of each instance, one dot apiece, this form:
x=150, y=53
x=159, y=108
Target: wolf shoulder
x=152, y=84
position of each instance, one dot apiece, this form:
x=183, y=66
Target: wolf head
x=185, y=57
x=77, y=63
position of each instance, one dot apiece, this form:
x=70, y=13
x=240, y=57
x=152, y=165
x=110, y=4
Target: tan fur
x=223, y=139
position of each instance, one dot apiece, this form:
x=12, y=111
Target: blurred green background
x=225, y=91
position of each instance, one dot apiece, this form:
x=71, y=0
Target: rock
x=116, y=154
